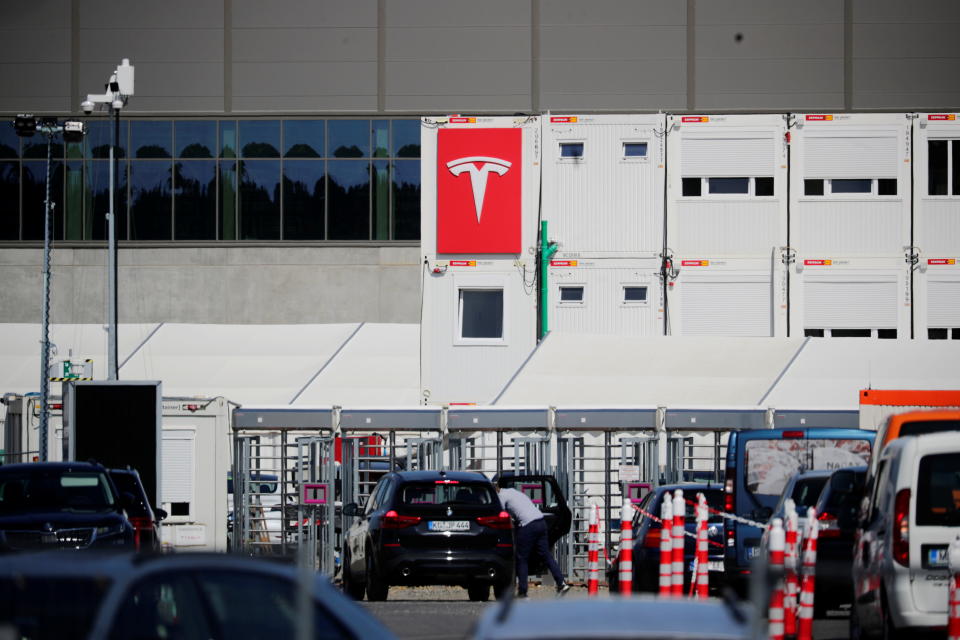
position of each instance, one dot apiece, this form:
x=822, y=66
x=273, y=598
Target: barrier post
x=808, y=580
x=593, y=554
x=777, y=542
x=703, y=555
x=790, y=570
x=677, y=536
x=626, y=549
x=953, y=603
x=666, y=545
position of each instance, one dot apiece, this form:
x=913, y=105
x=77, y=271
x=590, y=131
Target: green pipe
x=547, y=249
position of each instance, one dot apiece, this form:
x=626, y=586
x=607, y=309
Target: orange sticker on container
x=694, y=263
x=818, y=263
x=942, y=116
x=463, y=263
x=694, y=119
x=941, y=261
x=819, y=118
x=563, y=118
x=463, y=120
x=563, y=263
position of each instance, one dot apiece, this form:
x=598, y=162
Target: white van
x=908, y=520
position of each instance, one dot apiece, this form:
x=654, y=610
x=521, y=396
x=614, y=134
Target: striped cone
x=790, y=570
x=626, y=549
x=593, y=554
x=808, y=580
x=703, y=555
x=666, y=547
x=777, y=544
x=953, y=603
x=676, y=573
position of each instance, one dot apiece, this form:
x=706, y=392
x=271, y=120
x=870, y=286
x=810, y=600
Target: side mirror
x=351, y=509
x=161, y=514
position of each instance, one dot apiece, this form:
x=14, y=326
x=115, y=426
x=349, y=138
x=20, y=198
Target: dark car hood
x=37, y=521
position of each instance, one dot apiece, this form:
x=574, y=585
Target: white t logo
x=479, y=168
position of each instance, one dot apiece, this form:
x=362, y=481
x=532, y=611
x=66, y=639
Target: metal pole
x=112, y=371
x=45, y=316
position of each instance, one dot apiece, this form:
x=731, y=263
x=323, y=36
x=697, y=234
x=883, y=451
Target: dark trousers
x=532, y=538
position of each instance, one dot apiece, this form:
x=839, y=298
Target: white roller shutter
x=851, y=304
x=850, y=157
x=177, y=477
x=943, y=303
x=705, y=157
x=726, y=307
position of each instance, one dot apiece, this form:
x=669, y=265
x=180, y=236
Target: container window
x=887, y=187
x=887, y=334
x=851, y=185
x=851, y=333
x=937, y=165
x=481, y=313
x=956, y=167
x=571, y=294
x=937, y=334
x=634, y=294
x=763, y=186
x=813, y=333
x=729, y=185
x=691, y=186
x=571, y=149
x=634, y=149
x=813, y=187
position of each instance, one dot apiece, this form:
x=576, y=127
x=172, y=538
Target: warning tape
x=685, y=532
x=730, y=516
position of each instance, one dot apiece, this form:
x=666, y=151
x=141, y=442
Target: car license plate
x=752, y=552
x=449, y=525
x=937, y=557
x=715, y=565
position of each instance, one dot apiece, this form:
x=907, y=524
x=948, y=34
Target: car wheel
x=351, y=587
x=502, y=589
x=478, y=591
x=377, y=588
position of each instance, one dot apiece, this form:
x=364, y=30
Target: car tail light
x=829, y=526
x=446, y=482
x=501, y=521
x=139, y=523
x=792, y=434
x=652, y=539
x=901, y=527
x=393, y=520
x=728, y=501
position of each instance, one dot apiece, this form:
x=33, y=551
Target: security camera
x=117, y=104
x=87, y=106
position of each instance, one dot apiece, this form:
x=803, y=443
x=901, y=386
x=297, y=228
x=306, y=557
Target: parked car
x=911, y=514
x=837, y=510
x=638, y=617
x=429, y=527
x=131, y=596
x=646, y=532
x=65, y=505
x=804, y=489
x=760, y=462
x=144, y=518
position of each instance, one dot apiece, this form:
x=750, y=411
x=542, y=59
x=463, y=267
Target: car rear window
x=846, y=489
x=54, y=608
x=714, y=501
x=938, y=490
x=770, y=463
x=918, y=427
x=447, y=492
x=807, y=490
x=127, y=483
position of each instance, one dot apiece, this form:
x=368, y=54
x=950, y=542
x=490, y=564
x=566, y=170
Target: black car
x=427, y=528
x=646, y=538
x=837, y=511
x=65, y=505
x=144, y=518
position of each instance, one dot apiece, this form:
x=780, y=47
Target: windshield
x=420, y=493
x=770, y=463
x=807, y=490
x=938, y=490
x=61, y=489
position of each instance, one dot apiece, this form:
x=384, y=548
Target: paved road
x=445, y=613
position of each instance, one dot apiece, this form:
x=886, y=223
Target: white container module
x=603, y=182
x=850, y=297
x=480, y=199
x=727, y=185
x=728, y=297
x=850, y=185
x=936, y=288
x=606, y=296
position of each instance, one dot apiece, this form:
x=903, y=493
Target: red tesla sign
x=478, y=190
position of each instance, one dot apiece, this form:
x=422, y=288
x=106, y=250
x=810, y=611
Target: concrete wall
x=218, y=285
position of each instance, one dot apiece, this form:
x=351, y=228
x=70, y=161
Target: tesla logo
x=481, y=214
x=479, y=168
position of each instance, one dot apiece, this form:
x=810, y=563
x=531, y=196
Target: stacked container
x=727, y=225
x=850, y=227
x=936, y=232
x=479, y=209
x=603, y=186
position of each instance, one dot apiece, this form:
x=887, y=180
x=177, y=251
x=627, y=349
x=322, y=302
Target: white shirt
x=519, y=506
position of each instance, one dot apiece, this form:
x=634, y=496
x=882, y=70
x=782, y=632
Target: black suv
x=144, y=518
x=429, y=527
x=61, y=505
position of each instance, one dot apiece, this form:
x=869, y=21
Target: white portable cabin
x=727, y=224
x=850, y=225
x=603, y=184
x=480, y=198
x=936, y=233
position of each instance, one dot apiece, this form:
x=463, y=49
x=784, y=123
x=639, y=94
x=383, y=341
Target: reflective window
x=380, y=199
x=634, y=149
x=259, y=199
x=571, y=149
x=303, y=138
x=34, y=198
x=728, y=185
x=9, y=142
x=259, y=138
x=406, y=139
x=75, y=227
x=195, y=138
x=98, y=189
x=10, y=197
x=406, y=200
x=348, y=138
x=228, y=139
x=36, y=147
x=381, y=138
x=195, y=216
x=151, y=138
x=100, y=136
x=348, y=196
x=304, y=197
x=848, y=185
x=228, y=201
x=481, y=313
x=151, y=204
